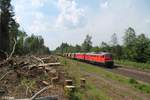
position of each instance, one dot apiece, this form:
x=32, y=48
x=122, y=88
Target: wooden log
x=45, y=83
x=38, y=59
x=39, y=92
x=48, y=68
x=49, y=64
x=55, y=97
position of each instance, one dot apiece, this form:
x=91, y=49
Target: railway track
x=116, y=89
x=126, y=71
x=129, y=72
x=133, y=73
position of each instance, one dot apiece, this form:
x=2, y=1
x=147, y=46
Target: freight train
x=104, y=58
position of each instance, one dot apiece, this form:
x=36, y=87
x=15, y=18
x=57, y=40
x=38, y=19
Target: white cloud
x=41, y=23
x=70, y=16
x=29, y=16
x=115, y=19
x=111, y=16
x=147, y=20
x=104, y=4
x=36, y=25
x=38, y=3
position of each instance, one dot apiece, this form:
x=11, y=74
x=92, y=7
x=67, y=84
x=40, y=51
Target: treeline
x=134, y=47
x=11, y=35
x=30, y=44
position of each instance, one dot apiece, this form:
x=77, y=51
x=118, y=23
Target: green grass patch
x=142, y=87
x=90, y=92
x=144, y=66
x=28, y=84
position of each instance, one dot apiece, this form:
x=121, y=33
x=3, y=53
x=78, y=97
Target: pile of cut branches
x=25, y=76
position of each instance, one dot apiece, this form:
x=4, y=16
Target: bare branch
x=13, y=50
x=5, y=74
x=39, y=92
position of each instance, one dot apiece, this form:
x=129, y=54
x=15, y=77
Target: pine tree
x=87, y=44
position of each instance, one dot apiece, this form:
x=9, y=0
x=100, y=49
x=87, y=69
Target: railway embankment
x=109, y=85
x=133, y=65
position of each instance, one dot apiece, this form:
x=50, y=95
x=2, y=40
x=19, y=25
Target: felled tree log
x=39, y=92
x=38, y=59
x=49, y=64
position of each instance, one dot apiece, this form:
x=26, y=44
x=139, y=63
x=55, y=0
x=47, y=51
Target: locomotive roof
x=99, y=53
x=94, y=53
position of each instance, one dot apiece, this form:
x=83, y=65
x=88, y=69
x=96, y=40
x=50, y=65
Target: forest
x=13, y=39
x=134, y=48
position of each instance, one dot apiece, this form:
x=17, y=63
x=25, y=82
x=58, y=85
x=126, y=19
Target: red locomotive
x=102, y=57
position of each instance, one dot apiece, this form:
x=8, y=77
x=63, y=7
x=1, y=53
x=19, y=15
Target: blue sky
x=71, y=20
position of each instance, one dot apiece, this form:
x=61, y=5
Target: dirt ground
x=114, y=89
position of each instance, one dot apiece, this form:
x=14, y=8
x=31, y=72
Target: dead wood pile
x=23, y=77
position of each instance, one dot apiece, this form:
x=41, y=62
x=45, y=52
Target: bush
x=133, y=81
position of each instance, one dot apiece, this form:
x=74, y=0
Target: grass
x=142, y=87
x=28, y=84
x=144, y=66
x=90, y=92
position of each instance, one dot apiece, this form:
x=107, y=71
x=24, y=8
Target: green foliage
x=144, y=66
x=135, y=47
x=142, y=87
x=28, y=84
x=129, y=43
x=87, y=44
x=7, y=24
x=65, y=48
x=95, y=49
x=77, y=48
x=117, y=51
x=20, y=42
x=9, y=30
x=35, y=45
x=105, y=47
x=129, y=36
x=142, y=49
x=114, y=39
x=132, y=81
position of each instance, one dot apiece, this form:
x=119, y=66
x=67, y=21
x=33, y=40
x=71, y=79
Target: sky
x=70, y=21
